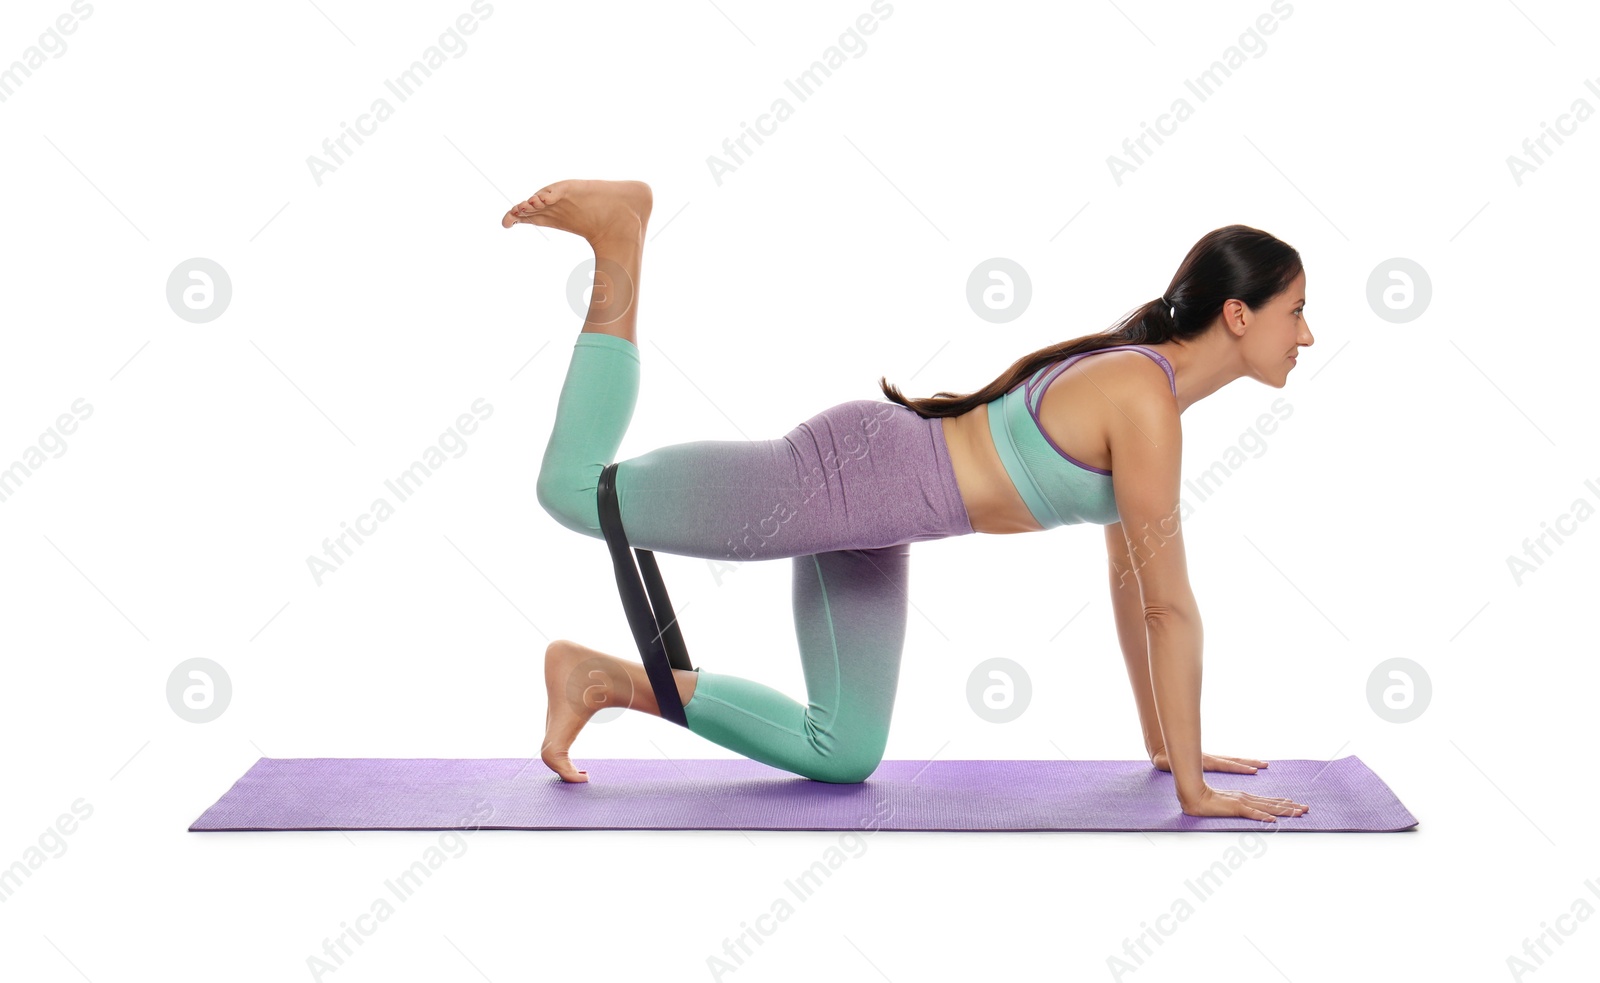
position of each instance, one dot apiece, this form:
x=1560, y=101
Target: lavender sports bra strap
x=1035, y=388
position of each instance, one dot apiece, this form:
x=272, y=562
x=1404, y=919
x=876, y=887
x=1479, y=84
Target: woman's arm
x=1146, y=442
x=1128, y=609
x=1146, y=445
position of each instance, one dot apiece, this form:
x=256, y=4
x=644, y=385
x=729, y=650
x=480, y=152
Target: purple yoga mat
x=738, y=793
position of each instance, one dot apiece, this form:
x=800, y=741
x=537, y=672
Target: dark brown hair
x=1234, y=262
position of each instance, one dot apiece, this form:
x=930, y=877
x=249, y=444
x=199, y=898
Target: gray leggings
x=844, y=494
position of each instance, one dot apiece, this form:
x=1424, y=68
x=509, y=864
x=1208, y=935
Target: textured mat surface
x=737, y=793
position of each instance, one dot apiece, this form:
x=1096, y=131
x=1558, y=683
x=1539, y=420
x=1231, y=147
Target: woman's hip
x=861, y=474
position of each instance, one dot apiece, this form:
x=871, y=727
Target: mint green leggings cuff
x=594, y=339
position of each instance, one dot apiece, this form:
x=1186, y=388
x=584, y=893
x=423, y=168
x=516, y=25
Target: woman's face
x=1275, y=333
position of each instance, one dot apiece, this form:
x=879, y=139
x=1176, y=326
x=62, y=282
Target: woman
x=846, y=492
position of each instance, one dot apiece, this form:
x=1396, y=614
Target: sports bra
x=1057, y=488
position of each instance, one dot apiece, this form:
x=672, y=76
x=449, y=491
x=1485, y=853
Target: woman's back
x=1068, y=407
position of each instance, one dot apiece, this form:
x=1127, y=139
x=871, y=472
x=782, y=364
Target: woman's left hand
x=1213, y=762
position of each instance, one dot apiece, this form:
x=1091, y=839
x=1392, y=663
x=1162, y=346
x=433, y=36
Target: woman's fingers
x=1235, y=802
x=1232, y=765
x=1251, y=762
x=1282, y=807
x=1285, y=807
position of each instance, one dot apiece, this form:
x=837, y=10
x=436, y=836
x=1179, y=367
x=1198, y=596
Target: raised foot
x=595, y=210
x=578, y=682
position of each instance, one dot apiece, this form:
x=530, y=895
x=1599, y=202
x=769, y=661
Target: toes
x=520, y=212
x=562, y=765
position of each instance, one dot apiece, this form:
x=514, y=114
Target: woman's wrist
x=1190, y=796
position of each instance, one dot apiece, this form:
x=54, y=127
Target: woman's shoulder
x=1104, y=394
x=1141, y=374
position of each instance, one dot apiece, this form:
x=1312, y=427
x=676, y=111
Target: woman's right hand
x=1223, y=802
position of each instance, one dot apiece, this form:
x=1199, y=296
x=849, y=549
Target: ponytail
x=1235, y=262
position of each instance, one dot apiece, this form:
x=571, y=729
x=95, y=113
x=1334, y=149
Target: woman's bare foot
x=596, y=210
x=578, y=681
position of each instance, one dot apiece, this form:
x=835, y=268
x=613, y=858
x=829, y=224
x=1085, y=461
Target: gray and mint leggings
x=843, y=494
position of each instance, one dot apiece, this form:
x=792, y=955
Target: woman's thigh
x=863, y=474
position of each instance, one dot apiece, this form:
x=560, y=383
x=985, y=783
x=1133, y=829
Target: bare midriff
x=1072, y=415
x=1075, y=417
x=993, y=503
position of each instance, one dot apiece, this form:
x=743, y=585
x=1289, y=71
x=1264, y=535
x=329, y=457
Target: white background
x=371, y=310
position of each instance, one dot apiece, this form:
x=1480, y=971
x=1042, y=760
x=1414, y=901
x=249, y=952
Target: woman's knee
x=568, y=502
x=846, y=769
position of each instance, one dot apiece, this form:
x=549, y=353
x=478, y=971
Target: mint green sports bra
x=1058, y=489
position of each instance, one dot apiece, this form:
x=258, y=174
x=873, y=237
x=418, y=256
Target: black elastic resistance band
x=649, y=610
